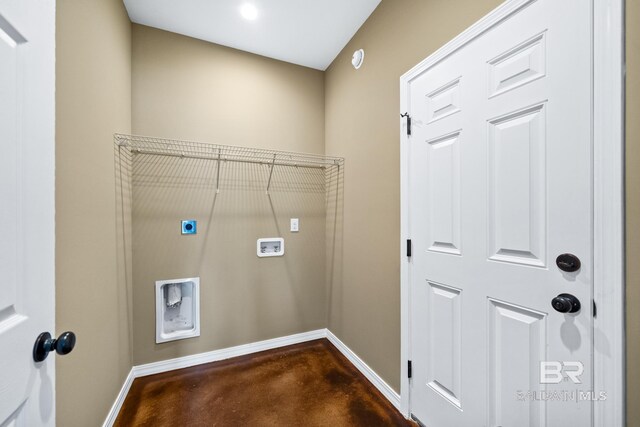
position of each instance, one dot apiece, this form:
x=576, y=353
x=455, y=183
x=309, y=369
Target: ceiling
x=304, y=32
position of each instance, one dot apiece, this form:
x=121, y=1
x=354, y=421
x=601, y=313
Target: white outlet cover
x=295, y=225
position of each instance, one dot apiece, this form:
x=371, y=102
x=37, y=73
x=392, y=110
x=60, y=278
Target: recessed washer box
x=270, y=246
x=177, y=309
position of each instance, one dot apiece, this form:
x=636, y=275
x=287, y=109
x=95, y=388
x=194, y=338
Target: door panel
x=517, y=342
x=517, y=187
x=14, y=318
x=444, y=194
x=27, y=88
x=444, y=341
x=499, y=185
x=444, y=101
x=518, y=66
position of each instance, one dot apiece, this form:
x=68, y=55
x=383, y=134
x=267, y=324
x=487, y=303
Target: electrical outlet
x=295, y=225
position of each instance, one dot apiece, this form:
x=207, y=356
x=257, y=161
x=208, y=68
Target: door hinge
x=408, y=248
x=409, y=373
x=595, y=311
x=408, y=122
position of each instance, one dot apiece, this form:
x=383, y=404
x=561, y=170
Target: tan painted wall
x=362, y=125
x=93, y=100
x=633, y=213
x=189, y=89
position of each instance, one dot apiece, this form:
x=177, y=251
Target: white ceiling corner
x=304, y=32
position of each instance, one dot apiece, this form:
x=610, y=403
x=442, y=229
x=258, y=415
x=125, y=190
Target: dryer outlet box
x=270, y=246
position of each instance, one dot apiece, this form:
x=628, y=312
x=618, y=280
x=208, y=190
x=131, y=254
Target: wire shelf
x=227, y=153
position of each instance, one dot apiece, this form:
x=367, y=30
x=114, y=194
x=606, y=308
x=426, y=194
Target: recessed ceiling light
x=249, y=12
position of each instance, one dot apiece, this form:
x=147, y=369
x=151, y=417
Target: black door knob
x=45, y=344
x=566, y=303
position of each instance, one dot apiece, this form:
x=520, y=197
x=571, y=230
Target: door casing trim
x=608, y=198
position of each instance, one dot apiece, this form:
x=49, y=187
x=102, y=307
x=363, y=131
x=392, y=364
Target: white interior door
x=500, y=184
x=27, y=105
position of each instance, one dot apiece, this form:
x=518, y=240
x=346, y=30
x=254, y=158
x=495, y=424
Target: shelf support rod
x=218, y=174
x=271, y=172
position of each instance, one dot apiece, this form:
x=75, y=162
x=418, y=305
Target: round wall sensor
x=357, y=59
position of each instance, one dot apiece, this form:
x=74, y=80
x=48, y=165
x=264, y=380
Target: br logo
x=555, y=372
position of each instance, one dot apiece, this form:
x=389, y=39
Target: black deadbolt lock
x=568, y=263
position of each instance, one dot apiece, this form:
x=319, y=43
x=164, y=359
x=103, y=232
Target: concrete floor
x=309, y=384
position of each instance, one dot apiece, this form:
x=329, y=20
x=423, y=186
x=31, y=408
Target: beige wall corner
x=189, y=89
x=362, y=124
x=93, y=100
x=633, y=212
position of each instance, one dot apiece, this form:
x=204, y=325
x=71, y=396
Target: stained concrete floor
x=308, y=384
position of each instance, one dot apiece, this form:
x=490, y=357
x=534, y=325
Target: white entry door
x=500, y=185
x=27, y=135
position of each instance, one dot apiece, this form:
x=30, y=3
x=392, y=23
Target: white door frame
x=608, y=198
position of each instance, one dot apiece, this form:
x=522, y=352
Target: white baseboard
x=369, y=373
x=241, y=350
x=225, y=353
x=115, y=408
